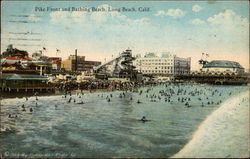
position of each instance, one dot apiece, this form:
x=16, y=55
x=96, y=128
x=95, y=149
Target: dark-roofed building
x=13, y=52
x=223, y=67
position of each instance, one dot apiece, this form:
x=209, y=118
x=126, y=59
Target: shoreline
x=61, y=92
x=11, y=95
x=224, y=133
x=18, y=95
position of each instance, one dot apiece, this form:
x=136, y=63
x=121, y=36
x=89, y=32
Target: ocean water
x=99, y=128
x=224, y=133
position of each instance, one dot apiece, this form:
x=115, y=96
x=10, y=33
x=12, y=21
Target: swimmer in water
x=69, y=100
x=143, y=119
x=187, y=104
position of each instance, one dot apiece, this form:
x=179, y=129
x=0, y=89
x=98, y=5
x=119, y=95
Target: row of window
x=156, y=71
x=138, y=64
x=181, y=69
x=155, y=60
x=181, y=72
x=157, y=67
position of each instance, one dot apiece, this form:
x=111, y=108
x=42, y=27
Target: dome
x=223, y=64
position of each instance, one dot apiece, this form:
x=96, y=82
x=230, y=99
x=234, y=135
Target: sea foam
x=224, y=134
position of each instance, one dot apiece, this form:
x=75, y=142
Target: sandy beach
x=224, y=134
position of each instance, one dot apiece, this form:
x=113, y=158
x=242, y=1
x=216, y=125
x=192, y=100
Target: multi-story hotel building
x=182, y=65
x=78, y=64
x=166, y=64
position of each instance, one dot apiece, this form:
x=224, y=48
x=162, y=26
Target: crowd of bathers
x=100, y=84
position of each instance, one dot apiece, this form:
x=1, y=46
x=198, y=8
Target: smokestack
x=76, y=60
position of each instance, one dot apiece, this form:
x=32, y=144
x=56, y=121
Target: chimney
x=76, y=60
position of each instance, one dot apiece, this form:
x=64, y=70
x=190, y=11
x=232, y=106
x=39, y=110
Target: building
x=56, y=63
x=13, y=63
x=21, y=73
x=70, y=63
x=24, y=82
x=13, y=52
x=78, y=63
x=182, y=65
x=16, y=60
x=89, y=65
x=223, y=67
x=166, y=64
x=41, y=67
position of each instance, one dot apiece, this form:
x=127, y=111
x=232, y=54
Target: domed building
x=222, y=67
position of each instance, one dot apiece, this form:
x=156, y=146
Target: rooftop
x=223, y=64
x=14, y=76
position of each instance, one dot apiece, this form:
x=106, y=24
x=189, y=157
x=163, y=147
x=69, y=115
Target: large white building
x=166, y=64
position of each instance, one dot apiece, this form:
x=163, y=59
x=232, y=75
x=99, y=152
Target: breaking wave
x=224, y=134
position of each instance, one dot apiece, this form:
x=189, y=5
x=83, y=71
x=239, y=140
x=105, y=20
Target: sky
x=186, y=29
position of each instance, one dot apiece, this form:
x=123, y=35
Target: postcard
x=124, y=79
